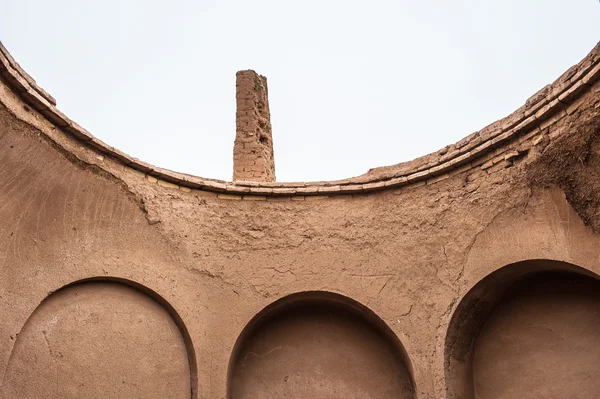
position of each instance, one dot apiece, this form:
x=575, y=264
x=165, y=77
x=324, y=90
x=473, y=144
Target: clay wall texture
x=472, y=272
x=253, y=148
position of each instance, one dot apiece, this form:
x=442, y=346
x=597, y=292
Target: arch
x=493, y=316
x=314, y=317
x=87, y=305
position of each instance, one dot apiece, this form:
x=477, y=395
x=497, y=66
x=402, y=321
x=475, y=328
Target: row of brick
x=492, y=162
x=541, y=110
x=253, y=147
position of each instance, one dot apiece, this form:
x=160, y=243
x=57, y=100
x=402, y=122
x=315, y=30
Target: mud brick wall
x=253, y=149
x=471, y=272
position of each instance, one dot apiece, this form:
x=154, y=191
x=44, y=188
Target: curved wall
x=98, y=340
x=412, y=242
x=541, y=339
x=529, y=327
x=318, y=345
x=542, y=109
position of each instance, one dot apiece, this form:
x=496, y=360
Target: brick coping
x=529, y=118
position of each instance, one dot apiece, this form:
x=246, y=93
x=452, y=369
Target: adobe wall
x=401, y=265
x=253, y=158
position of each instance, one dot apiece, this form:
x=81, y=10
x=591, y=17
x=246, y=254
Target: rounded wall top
x=529, y=118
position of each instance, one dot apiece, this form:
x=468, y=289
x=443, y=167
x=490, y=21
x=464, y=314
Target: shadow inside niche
x=99, y=339
x=318, y=348
x=528, y=330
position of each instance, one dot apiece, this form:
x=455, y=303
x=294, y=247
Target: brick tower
x=253, y=149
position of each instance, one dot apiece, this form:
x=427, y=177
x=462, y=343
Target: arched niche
x=318, y=345
x=530, y=329
x=100, y=338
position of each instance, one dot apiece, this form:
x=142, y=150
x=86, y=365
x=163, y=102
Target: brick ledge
x=540, y=110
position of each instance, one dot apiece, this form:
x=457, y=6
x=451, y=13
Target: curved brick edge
x=480, y=149
x=16, y=82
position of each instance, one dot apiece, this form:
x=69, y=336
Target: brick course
x=253, y=149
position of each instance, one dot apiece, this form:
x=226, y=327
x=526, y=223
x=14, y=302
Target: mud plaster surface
x=542, y=336
x=318, y=351
x=410, y=254
x=98, y=340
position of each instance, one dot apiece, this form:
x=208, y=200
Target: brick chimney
x=253, y=149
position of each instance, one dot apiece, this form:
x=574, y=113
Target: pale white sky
x=352, y=84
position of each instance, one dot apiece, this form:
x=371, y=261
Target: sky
x=352, y=84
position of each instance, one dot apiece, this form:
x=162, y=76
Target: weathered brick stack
x=253, y=149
